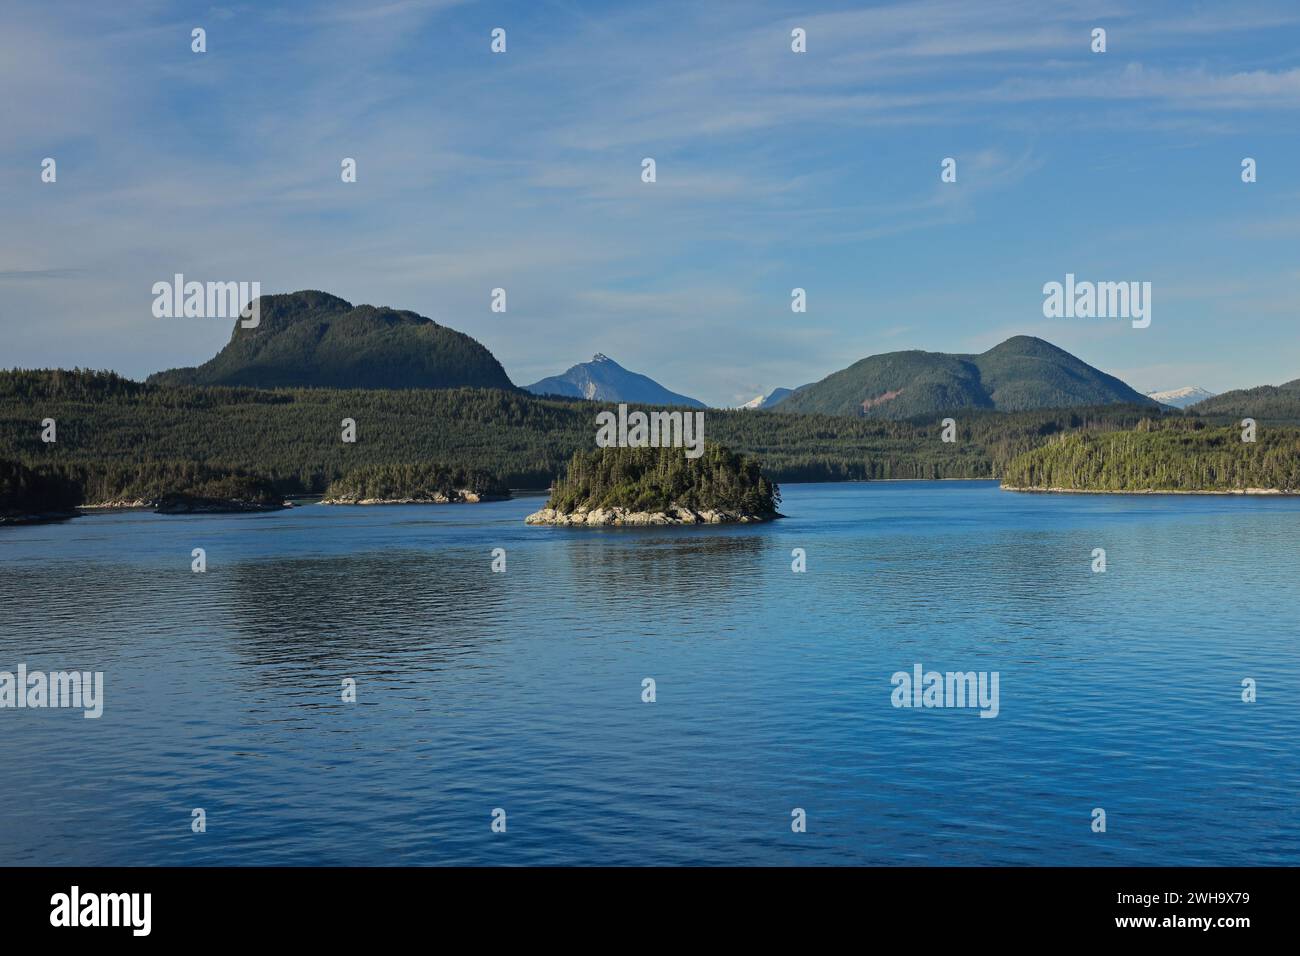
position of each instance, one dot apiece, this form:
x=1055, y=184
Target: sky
x=774, y=170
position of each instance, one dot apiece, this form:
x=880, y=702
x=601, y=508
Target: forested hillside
x=1021, y=374
x=314, y=339
x=1276, y=403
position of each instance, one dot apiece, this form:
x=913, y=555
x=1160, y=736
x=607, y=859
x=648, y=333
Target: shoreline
x=169, y=505
x=1257, y=492
x=461, y=498
x=39, y=517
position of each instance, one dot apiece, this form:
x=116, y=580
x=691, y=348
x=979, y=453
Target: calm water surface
x=523, y=690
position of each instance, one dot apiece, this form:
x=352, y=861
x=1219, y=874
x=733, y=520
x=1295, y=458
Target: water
x=522, y=690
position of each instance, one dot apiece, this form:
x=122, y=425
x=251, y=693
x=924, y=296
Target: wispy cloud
x=29, y=275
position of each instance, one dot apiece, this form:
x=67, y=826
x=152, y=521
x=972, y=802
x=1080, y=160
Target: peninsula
x=1173, y=456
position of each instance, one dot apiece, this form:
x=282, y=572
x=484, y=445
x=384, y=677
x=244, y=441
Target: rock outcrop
x=626, y=517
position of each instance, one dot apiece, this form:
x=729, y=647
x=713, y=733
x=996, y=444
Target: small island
x=231, y=493
x=1176, y=457
x=659, y=486
x=414, y=484
x=179, y=503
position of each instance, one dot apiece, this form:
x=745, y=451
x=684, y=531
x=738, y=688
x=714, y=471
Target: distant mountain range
x=1020, y=374
x=602, y=379
x=315, y=339
x=1181, y=397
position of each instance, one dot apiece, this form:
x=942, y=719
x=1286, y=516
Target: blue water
x=522, y=690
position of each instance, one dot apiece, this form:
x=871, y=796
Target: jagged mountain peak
x=603, y=379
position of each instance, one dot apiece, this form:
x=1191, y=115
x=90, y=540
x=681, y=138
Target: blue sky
x=775, y=170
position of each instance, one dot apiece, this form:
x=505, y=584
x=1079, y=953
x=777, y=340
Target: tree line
x=419, y=481
x=1187, y=455
x=655, y=479
x=126, y=438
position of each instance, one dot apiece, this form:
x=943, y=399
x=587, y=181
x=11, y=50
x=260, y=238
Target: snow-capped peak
x=1181, y=397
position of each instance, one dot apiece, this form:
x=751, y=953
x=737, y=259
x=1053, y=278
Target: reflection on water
x=523, y=690
x=310, y=614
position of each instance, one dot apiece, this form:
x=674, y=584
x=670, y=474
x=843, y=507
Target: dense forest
x=127, y=440
x=114, y=482
x=1174, y=455
x=1273, y=403
x=417, y=482
x=24, y=492
x=656, y=479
